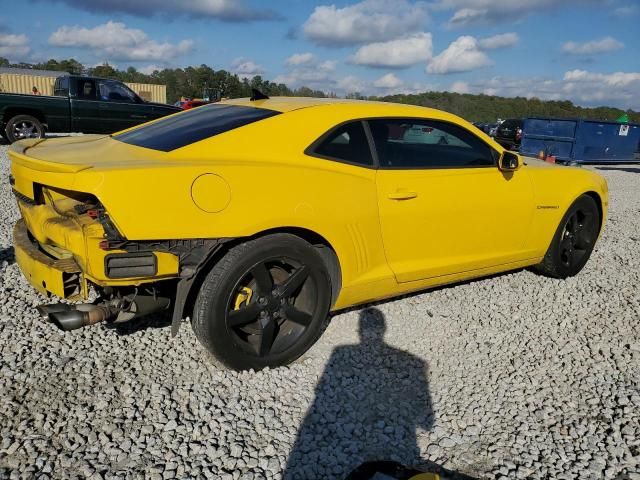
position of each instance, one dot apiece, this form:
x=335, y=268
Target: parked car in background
x=162, y=217
x=189, y=103
x=79, y=104
x=490, y=129
x=509, y=133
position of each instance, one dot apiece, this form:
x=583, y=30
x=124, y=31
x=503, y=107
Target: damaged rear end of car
x=68, y=246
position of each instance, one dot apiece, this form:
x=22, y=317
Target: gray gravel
x=517, y=376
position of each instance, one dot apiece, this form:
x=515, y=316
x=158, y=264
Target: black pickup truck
x=78, y=104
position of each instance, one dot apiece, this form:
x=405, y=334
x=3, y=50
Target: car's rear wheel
x=264, y=303
x=23, y=126
x=574, y=240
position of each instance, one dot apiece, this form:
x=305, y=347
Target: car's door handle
x=402, y=195
x=138, y=116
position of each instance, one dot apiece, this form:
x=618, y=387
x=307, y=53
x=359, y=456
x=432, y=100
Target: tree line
x=487, y=108
x=204, y=81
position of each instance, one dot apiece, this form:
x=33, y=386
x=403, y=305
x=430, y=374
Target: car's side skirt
x=388, y=287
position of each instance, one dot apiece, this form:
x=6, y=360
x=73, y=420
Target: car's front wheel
x=574, y=240
x=264, y=303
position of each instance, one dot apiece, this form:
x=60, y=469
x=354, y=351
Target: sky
x=586, y=51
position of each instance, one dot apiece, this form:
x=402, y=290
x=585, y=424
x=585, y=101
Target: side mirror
x=509, y=162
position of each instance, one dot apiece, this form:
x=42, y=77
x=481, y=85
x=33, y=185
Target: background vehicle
x=189, y=103
x=79, y=104
x=183, y=213
x=509, y=133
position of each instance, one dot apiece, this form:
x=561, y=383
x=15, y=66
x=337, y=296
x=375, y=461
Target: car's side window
x=422, y=144
x=347, y=143
x=86, y=89
x=61, y=87
x=115, y=92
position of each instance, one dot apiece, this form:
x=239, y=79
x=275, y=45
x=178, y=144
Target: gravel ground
x=516, y=376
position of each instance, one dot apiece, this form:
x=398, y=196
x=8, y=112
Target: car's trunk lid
x=57, y=162
x=74, y=154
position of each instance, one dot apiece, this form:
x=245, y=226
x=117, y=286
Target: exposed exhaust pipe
x=71, y=317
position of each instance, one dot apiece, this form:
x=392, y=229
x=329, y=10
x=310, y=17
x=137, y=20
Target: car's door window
x=347, y=143
x=86, y=89
x=61, y=87
x=115, y=92
x=423, y=144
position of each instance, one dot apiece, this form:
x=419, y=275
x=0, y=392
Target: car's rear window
x=192, y=126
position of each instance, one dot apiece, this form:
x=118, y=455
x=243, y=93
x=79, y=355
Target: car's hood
x=74, y=154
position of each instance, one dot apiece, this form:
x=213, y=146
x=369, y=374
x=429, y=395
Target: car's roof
x=288, y=104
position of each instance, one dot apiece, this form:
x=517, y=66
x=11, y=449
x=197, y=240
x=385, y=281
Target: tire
x=264, y=304
x=573, y=241
x=23, y=126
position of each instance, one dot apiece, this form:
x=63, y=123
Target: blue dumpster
x=581, y=141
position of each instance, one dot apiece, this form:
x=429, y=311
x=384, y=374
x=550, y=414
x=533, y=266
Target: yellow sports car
x=256, y=217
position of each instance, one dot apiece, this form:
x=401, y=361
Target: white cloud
x=226, y=10
x=118, y=42
x=309, y=72
x=620, y=89
x=388, y=81
x=321, y=75
x=503, y=40
x=460, y=87
x=245, y=68
x=468, y=12
x=300, y=59
x=462, y=55
x=328, y=65
x=625, y=11
x=14, y=46
x=617, y=79
x=403, y=52
x=352, y=84
x=364, y=22
x=603, y=45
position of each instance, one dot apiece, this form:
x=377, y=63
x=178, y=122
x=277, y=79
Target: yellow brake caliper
x=243, y=298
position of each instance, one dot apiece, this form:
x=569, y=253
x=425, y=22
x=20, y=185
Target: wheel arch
x=325, y=249
x=596, y=197
x=11, y=112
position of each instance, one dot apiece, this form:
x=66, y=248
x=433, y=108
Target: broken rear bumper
x=61, y=277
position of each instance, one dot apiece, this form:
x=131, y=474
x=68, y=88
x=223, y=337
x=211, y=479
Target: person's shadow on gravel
x=368, y=404
x=7, y=255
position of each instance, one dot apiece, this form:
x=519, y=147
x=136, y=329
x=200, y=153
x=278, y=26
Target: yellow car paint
x=394, y=231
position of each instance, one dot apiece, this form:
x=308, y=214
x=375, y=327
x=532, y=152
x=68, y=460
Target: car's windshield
x=192, y=126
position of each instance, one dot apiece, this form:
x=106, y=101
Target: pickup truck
x=79, y=104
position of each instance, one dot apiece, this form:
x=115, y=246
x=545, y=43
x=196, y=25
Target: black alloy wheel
x=573, y=241
x=264, y=303
x=271, y=307
x=578, y=235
